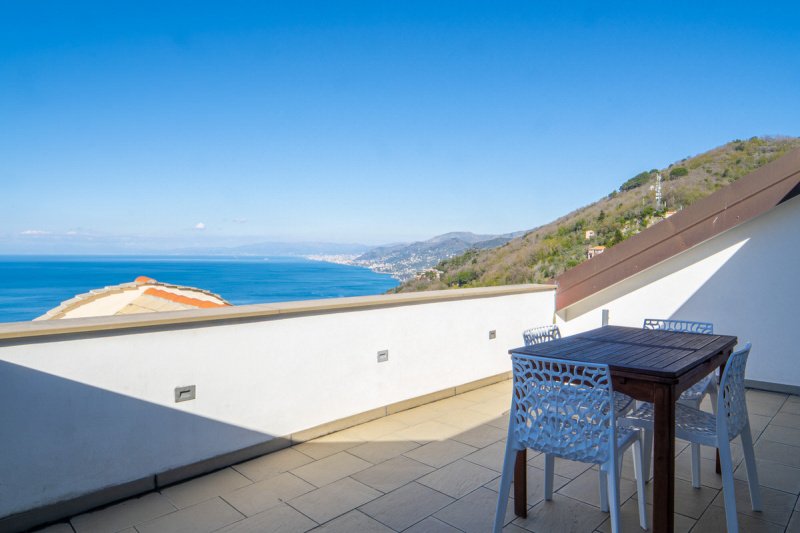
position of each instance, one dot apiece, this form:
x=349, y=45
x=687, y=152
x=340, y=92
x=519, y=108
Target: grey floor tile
x=791, y=406
x=481, y=436
x=535, y=485
x=713, y=521
x=458, y=479
x=468, y=419
x=204, y=517
x=272, y=464
x=205, y=487
x=586, y=488
x=513, y=528
x=563, y=467
x=378, y=428
x=777, y=506
x=440, y=453
x=271, y=492
x=352, y=522
x=562, y=514
x=474, y=513
x=782, y=434
x=709, y=452
x=392, y=474
x=794, y=523
x=629, y=519
x=787, y=420
x=778, y=452
x=57, y=528
x=429, y=431
x=757, y=424
x=379, y=451
x=432, y=525
x=708, y=470
x=331, y=468
x=122, y=515
x=490, y=457
x=500, y=422
x=689, y=501
x=766, y=404
x=406, y=506
x=281, y=519
x=333, y=500
x=774, y=476
x=328, y=445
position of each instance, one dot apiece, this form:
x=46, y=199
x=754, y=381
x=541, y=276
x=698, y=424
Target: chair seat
x=691, y=424
x=696, y=392
x=584, y=445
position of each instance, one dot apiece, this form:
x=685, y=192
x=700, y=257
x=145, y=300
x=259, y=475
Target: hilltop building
x=143, y=295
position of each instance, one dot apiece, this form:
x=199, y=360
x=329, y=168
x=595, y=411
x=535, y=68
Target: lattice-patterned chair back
x=563, y=408
x=541, y=334
x=685, y=326
x=731, y=404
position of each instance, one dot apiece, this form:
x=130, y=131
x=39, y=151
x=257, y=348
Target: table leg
x=721, y=371
x=521, y=484
x=664, y=459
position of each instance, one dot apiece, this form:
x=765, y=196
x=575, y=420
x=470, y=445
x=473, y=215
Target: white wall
x=94, y=411
x=745, y=281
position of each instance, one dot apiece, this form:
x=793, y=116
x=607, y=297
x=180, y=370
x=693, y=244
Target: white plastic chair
x=540, y=334
x=693, y=396
x=699, y=427
x=566, y=409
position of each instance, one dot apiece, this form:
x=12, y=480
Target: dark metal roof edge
x=743, y=200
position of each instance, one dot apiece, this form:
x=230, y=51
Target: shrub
x=678, y=172
x=637, y=181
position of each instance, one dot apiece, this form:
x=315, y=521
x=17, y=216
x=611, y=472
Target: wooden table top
x=647, y=353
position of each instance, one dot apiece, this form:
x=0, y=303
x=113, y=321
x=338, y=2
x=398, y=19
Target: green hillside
x=547, y=251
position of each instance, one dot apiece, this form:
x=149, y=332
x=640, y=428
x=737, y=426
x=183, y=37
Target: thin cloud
x=34, y=232
x=240, y=220
x=200, y=226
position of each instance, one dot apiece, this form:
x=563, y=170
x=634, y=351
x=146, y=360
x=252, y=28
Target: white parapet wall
x=89, y=404
x=744, y=280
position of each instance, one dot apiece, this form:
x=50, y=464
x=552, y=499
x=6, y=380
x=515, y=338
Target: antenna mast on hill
x=658, y=192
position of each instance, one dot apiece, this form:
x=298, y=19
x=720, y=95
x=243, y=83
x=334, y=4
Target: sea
x=32, y=285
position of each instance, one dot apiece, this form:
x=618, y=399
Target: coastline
x=352, y=260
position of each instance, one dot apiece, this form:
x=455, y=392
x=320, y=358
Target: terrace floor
x=436, y=468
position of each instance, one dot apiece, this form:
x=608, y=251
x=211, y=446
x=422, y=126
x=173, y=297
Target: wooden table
x=649, y=365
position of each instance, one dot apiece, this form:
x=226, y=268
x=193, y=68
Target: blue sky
x=364, y=121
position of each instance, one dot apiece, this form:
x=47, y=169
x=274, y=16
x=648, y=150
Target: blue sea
x=32, y=285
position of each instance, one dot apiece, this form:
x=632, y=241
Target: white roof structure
x=143, y=295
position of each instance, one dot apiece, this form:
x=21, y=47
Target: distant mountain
x=302, y=248
x=541, y=254
x=405, y=261
x=281, y=249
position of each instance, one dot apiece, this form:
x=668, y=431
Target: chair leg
x=726, y=463
x=549, y=470
x=505, y=486
x=640, y=493
x=603, y=479
x=750, y=462
x=613, y=498
x=696, y=466
x=647, y=453
x=712, y=393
